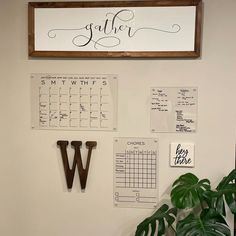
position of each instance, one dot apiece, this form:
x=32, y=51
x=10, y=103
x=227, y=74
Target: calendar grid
x=74, y=102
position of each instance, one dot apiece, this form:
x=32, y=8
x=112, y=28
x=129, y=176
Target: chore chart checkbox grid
x=79, y=102
x=135, y=172
x=137, y=169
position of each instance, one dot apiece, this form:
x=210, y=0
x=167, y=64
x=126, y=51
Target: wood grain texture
x=115, y=3
x=114, y=54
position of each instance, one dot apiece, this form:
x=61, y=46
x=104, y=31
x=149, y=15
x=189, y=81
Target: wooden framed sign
x=155, y=29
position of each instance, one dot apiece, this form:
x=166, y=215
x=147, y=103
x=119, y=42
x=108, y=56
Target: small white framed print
x=182, y=154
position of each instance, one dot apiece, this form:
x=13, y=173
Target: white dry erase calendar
x=174, y=109
x=74, y=102
x=135, y=172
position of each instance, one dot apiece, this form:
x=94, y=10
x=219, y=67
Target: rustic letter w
x=70, y=172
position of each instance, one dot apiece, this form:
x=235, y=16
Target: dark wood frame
x=114, y=54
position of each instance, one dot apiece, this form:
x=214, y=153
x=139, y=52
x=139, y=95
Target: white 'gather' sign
x=102, y=28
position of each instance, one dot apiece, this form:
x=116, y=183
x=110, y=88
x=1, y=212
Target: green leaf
x=210, y=223
x=188, y=191
x=165, y=218
x=213, y=200
x=227, y=190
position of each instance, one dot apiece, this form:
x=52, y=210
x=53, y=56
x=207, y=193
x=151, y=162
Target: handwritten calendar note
x=135, y=172
x=174, y=109
x=74, y=102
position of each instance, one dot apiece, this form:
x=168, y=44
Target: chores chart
x=74, y=102
x=174, y=109
x=135, y=172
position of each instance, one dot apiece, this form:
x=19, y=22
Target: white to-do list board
x=174, y=109
x=74, y=102
x=135, y=172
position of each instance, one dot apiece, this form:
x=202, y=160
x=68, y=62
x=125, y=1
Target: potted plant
x=198, y=210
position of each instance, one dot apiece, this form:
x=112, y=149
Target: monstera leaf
x=215, y=199
x=210, y=223
x=227, y=190
x=188, y=191
x=161, y=215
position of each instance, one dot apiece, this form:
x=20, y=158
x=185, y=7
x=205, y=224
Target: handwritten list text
x=173, y=109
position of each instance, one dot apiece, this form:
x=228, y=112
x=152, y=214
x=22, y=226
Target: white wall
x=34, y=200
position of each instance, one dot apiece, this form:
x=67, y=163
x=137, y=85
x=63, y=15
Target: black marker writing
x=181, y=156
x=111, y=29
